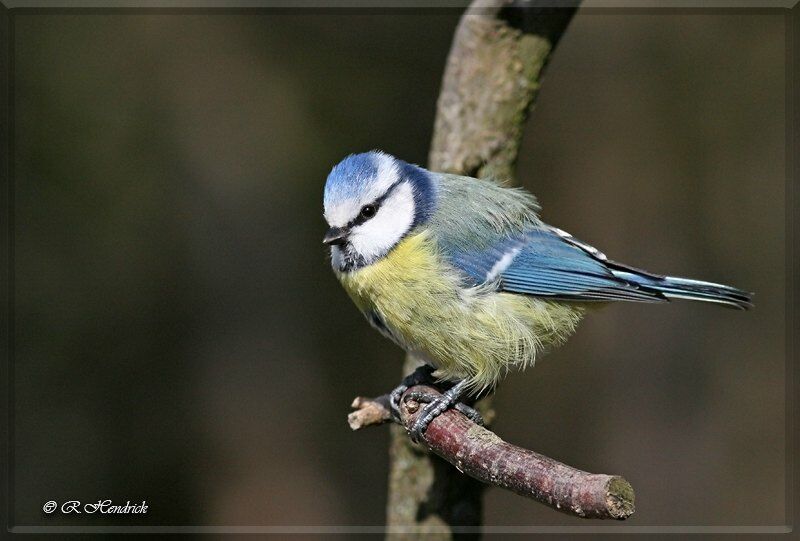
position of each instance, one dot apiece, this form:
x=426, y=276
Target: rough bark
x=493, y=73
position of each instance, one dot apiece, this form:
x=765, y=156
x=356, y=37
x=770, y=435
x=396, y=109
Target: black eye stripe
x=358, y=220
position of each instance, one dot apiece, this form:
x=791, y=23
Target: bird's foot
x=420, y=376
x=436, y=404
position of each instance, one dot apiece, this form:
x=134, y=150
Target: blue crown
x=357, y=172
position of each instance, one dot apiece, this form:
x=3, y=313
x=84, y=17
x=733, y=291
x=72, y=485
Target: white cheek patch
x=376, y=236
x=387, y=174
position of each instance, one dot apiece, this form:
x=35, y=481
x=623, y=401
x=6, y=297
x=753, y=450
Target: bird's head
x=373, y=200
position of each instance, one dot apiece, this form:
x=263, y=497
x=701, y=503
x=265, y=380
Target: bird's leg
x=435, y=405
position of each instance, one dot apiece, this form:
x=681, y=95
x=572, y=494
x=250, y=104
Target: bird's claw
x=470, y=413
x=435, y=405
x=394, y=400
x=422, y=375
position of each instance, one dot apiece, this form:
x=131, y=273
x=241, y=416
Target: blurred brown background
x=181, y=339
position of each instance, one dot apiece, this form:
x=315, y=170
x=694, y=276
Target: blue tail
x=683, y=288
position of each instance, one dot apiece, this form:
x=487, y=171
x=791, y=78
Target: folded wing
x=546, y=262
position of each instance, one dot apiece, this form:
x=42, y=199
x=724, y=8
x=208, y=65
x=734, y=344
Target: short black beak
x=335, y=235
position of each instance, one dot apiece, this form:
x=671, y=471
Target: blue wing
x=547, y=262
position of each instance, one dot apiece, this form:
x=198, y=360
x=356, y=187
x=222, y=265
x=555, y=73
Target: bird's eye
x=368, y=211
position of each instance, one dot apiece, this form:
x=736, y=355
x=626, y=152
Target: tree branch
x=493, y=74
x=491, y=79
x=481, y=454
x=369, y=411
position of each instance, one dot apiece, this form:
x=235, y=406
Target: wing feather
x=492, y=234
x=542, y=262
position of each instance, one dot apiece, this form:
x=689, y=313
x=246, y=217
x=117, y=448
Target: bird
x=462, y=273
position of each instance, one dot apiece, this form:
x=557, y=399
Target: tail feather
x=684, y=288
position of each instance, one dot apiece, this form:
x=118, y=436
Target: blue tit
x=462, y=274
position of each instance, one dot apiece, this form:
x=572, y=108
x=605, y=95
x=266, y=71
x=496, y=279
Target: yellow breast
x=466, y=332
x=395, y=283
